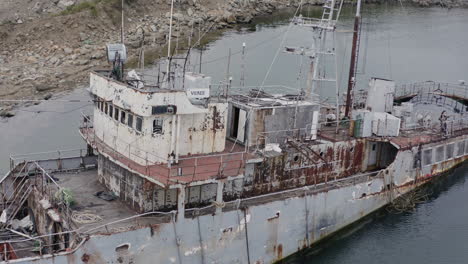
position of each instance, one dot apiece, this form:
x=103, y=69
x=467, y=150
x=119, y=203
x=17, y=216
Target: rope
x=219, y=204
x=85, y=217
x=409, y=201
x=120, y=229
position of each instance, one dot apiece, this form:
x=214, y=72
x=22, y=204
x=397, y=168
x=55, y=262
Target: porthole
x=122, y=248
x=296, y=158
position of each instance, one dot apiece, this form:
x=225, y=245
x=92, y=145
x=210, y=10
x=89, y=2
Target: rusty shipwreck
x=184, y=171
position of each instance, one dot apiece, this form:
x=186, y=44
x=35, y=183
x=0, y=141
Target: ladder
x=330, y=15
x=331, y=11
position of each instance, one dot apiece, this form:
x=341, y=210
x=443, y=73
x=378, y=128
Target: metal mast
x=327, y=23
x=354, y=59
x=169, y=45
x=242, y=77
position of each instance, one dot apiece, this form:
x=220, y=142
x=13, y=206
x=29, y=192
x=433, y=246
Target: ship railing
x=446, y=102
x=147, y=163
x=282, y=136
x=27, y=178
x=143, y=219
x=14, y=249
x=47, y=155
x=195, y=167
x=456, y=127
x=452, y=127
x=24, y=248
x=245, y=94
x=447, y=89
x=27, y=175
x=209, y=166
x=59, y=196
x=333, y=129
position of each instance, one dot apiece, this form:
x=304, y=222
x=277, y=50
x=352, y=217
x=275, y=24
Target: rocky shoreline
x=52, y=52
x=47, y=55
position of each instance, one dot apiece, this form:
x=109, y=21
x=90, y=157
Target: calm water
x=401, y=43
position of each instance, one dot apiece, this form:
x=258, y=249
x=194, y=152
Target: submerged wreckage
x=181, y=172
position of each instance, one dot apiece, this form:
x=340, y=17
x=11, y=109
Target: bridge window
x=466, y=147
x=427, y=157
x=461, y=148
x=440, y=153
x=130, y=120
x=158, y=125
x=116, y=114
x=449, y=151
x=122, y=117
x=111, y=110
x=105, y=108
x=139, y=124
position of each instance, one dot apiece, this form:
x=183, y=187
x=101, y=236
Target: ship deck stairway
x=16, y=187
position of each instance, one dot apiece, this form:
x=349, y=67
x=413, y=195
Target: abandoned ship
x=184, y=171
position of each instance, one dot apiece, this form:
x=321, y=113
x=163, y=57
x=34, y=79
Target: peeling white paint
x=202, y=129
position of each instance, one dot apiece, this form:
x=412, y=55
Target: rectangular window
x=440, y=153
x=466, y=146
x=427, y=157
x=158, y=125
x=130, y=120
x=449, y=151
x=99, y=105
x=139, y=123
x=111, y=110
x=105, y=108
x=461, y=148
x=122, y=117
x=116, y=114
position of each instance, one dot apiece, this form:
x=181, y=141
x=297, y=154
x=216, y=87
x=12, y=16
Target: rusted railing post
x=195, y=169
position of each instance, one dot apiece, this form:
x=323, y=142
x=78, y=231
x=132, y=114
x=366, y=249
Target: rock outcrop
x=43, y=53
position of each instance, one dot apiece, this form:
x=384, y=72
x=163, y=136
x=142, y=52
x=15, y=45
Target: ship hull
x=265, y=231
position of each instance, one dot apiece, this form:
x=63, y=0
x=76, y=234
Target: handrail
x=174, y=212
x=165, y=166
x=459, y=90
x=58, y=154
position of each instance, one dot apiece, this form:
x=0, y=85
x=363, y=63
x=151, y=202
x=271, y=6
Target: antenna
x=169, y=43
x=201, y=53
x=201, y=47
x=117, y=55
x=227, y=75
x=141, y=54
x=122, y=24
x=353, y=63
x=242, y=78
x=159, y=71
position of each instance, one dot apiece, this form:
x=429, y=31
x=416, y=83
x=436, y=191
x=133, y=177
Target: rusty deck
x=193, y=168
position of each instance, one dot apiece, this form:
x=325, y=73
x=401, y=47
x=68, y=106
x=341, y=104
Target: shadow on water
x=383, y=220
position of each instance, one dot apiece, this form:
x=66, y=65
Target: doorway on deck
x=380, y=155
x=238, y=124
